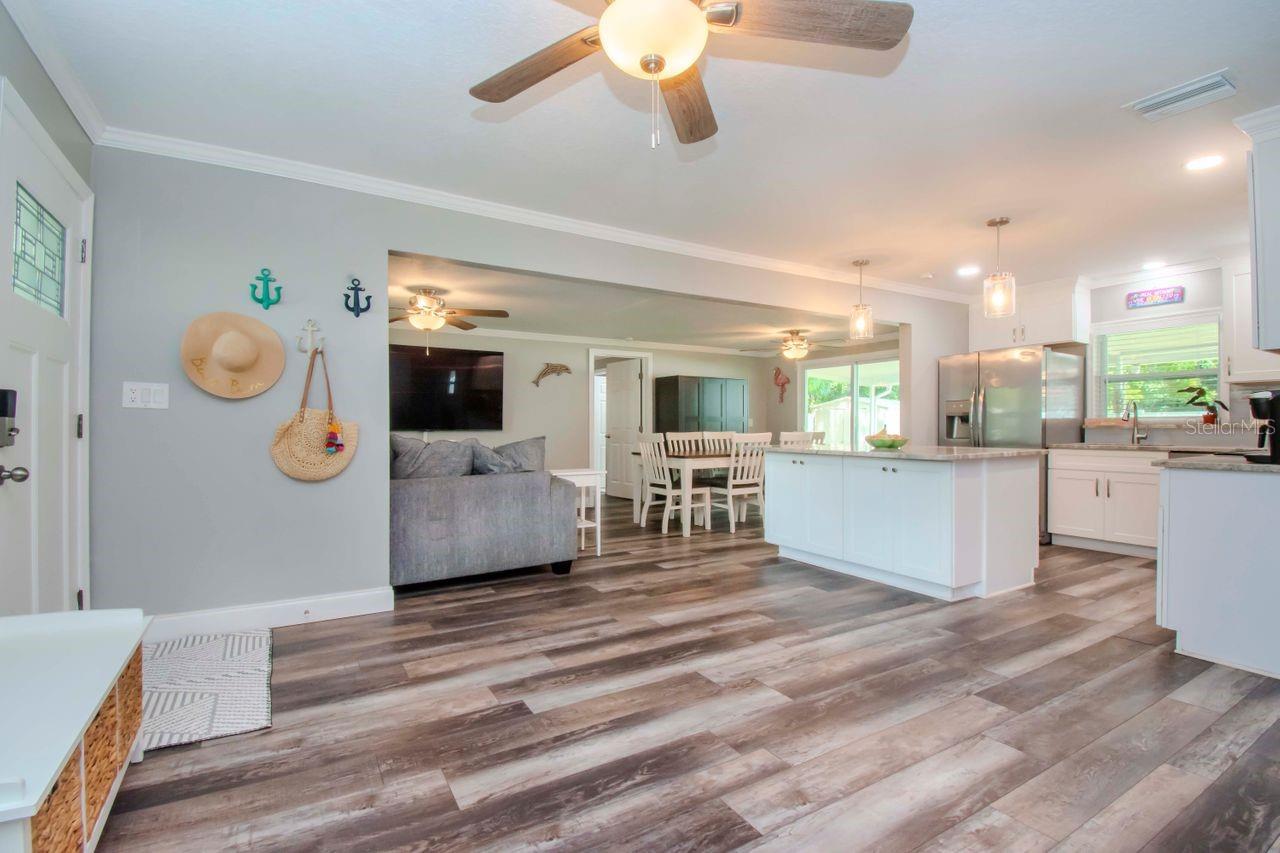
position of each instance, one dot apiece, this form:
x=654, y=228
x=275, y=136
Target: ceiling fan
x=661, y=40
x=427, y=311
x=796, y=346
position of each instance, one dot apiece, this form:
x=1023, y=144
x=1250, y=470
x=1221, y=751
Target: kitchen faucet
x=1135, y=435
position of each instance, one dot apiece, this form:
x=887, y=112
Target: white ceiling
x=562, y=306
x=998, y=107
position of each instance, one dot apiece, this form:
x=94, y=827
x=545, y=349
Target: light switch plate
x=145, y=395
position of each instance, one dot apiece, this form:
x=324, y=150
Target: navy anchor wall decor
x=352, y=299
x=266, y=300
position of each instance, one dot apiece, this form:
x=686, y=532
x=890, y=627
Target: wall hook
x=352, y=299
x=315, y=341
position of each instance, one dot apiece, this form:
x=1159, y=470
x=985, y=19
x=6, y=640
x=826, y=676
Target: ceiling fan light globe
x=427, y=321
x=631, y=30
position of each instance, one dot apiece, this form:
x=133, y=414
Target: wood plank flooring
x=704, y=694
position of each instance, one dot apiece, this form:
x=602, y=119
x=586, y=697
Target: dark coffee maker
x=1265, y=406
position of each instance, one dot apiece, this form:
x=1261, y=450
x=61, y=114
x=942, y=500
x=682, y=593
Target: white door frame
x=646, y=392
x=12, y=106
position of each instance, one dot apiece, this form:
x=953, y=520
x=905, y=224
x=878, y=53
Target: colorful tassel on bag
x=333, y=441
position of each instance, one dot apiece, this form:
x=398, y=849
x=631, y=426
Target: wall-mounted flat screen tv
x=444, y=389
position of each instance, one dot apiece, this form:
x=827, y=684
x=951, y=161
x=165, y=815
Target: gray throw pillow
x=527, y=455
x=414, y=459
x=485, y=460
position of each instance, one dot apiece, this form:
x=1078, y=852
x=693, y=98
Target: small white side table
x=586, y=479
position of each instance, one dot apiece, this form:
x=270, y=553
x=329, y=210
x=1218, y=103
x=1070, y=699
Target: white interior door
x=622, y=413
x=44, y=213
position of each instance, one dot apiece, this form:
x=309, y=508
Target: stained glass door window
x=39, y=254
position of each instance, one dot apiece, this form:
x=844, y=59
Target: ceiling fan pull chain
x=655, y=138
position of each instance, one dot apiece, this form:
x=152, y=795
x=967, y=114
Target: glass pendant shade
x=999, y=295
x=631, y=30
x=861, y=325
x=428, y=321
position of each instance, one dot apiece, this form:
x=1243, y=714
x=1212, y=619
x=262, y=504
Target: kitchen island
x=949, y=522
x=1216, y=577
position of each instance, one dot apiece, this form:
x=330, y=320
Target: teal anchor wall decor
x=352, y=299
x=267, y=299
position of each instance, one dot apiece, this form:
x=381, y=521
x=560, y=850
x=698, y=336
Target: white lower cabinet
x=912, y=501
x=1105, y=496
x=813, y=522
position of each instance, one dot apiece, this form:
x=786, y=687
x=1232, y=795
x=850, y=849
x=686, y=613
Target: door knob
x=18, y=475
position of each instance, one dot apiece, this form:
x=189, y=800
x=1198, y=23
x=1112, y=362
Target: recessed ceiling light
x=1153, y=265
x=927, y=276
x=1199, y=164
x=969, y=270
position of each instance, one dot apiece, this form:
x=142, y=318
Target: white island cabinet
x=948, y=522
x=1217, y=576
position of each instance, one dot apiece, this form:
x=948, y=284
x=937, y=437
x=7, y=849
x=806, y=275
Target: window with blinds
x=1151, y=367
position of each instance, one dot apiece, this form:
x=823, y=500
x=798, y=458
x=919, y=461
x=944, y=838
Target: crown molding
x=1261, y=126
x=200, y=152
x=1141, y=276
x=30, y=22
x=616, y=343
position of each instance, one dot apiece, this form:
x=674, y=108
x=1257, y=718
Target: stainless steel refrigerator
x=1018, y=397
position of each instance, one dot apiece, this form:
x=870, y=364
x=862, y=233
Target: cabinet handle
x=1015, y=334
x=1097, y=488
x=884, y=467
x=894, y=470
x=1108, y=488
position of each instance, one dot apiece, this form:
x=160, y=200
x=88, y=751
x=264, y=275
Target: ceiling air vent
x=1188, y=96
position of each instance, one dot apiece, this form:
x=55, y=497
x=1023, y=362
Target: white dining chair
x=657, y=484
x=717, y=442
x=684, y=442
x=797, y=439
x=745, y=479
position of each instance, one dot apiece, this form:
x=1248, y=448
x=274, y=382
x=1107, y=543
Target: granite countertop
x=1219, y=463
x=925, y=453
x=1158, y=448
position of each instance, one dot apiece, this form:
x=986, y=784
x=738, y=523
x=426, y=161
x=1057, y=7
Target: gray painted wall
x=558, y=407
x=28, y=76
x=187, y=510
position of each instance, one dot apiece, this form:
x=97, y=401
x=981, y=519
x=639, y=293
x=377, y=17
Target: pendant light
x=861, y=326
x=998, y=289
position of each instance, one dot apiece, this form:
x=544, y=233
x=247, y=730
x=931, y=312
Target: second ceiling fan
x=661, y=40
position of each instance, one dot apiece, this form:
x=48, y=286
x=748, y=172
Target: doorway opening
x=622, y=404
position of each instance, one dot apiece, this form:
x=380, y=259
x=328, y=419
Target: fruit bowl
x=883, y=441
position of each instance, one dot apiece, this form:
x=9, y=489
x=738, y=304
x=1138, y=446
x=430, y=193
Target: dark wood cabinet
x=699, y=404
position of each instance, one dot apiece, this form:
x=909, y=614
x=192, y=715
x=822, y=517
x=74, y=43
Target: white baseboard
x=271, y=614
x=1121, y=548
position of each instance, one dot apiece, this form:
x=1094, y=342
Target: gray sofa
x=457, y=525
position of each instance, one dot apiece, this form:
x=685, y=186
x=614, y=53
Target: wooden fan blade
x=689, y=107
x=869, y=24
x=476, y=312
x=512, y=81
x=460, y=324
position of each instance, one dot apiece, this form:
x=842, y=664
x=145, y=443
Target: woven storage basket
x=100, y=758
x=299, y=445
x=57, y=827
x=129, y=697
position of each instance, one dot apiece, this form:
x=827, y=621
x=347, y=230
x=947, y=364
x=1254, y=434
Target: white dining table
x=686, y=464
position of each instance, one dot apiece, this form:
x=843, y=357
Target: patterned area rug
x=205, y=686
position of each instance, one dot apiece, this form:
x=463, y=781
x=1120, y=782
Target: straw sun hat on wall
x=231, y=355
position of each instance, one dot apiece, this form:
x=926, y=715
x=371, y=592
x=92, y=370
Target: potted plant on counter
x=1198, y=396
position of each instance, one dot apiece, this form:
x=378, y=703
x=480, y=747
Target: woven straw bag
x=304, y=447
